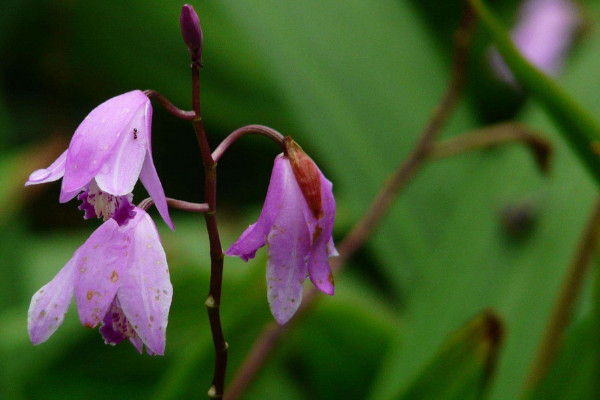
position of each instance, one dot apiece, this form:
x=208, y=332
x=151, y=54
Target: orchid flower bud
x=191, y=30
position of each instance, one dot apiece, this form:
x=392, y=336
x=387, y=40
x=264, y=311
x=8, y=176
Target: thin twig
x=497, y=135
x=363, y=229
x=247, y=130
x=178, y=204
x=566, y=301
x=167, y=105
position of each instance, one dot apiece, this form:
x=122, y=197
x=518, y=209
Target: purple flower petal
x=255, y=236
x=318, y=258
x=53, y=173
x=121, y=169
x=95, y=139
x=50, y=304
x=98, y=271
x=146, y=291
x=289, y=243
x=151, y=182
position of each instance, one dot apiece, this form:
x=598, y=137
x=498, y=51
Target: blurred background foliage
x=354, y=83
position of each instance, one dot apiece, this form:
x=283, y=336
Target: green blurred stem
x=580, y=130
x=213, y=301
x=566, y=301
x=497, y=135
x=381, y=204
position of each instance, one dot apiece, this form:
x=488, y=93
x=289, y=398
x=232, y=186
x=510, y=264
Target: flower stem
x=496, y=135
x=213, y=301
x=362, y=230
x=247, y=130
x=566, y=301
x=178, y=204
x=167, y=105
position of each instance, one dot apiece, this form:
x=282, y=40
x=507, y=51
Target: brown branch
x=497, y=135
x=565, y=303
x=271, y=334
x=247, y=130
x=167, y=105
x=178, y=204
x=213, y=300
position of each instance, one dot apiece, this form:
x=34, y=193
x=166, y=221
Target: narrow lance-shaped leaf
x=578, y=127
x=465, y=363
x=575, y=374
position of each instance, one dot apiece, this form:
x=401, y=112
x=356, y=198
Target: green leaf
x=575, y=374
x=462, y=369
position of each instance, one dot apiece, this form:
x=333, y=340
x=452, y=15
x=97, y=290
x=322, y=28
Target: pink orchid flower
x=110, y=149
x=120, y=279
x=296, y=223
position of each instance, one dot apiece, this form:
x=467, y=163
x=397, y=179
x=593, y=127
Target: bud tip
x=190, y=28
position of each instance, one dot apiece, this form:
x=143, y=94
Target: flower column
x=192, y=36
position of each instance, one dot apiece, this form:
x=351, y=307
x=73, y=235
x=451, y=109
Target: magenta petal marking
x=107, y=330
x=53, y=173
x=125, y=211
x=98, y=271
x=146, y=291
x=50, y=304
x=255, y=236
x=88, y=208
x=98, y=134
x=151, y=182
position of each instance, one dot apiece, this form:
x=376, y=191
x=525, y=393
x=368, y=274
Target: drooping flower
x=120, y=279
x=296, y=223
x=110, y=149
x=544, y=33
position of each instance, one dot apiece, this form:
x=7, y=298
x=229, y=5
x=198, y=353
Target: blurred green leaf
x=580, y=348
x=575, y=374
x=463, y=367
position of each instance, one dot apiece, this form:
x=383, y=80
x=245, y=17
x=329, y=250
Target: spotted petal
x=146, y=291
x=98, y=271
x=50, y=304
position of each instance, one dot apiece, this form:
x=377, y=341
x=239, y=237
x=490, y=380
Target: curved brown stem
x=566, y=301
x=379, y=207
x=497, y=135
x=247, y=130
x=167, y=105
x=178, y=204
